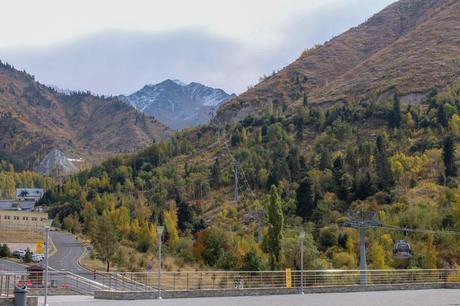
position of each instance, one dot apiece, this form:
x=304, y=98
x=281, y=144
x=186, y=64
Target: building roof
x=29, y=192
x=16, y=205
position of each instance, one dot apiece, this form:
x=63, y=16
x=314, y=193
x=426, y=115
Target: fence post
x=201, y=281
x=174, y=281
x=187, y=281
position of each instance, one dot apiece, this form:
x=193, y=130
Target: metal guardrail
x=221, y=280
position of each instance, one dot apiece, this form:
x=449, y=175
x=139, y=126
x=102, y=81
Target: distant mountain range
x=34, y=119
x=176, y=104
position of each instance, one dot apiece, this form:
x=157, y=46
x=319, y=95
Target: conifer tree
x=275, y=227
x=305, y=100
x=394, y=117
x=442, y=116
x=448, y=152
x=305, y=200
x=216, y=175
x=382, y=165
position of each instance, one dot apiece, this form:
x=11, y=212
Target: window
x=34, y=219
x=7, y=217
x=25, y=218
x=16, y=218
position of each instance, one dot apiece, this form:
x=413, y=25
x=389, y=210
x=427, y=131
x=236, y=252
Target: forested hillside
x=34, y=119
x=306, y=169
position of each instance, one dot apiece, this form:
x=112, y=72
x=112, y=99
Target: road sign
x=39, y=246
x=288, y=278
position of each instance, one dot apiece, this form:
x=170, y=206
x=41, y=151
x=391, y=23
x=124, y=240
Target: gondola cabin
x=402, y=250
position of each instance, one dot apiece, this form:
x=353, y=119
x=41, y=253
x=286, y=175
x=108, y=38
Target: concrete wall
x=51, y=291
x=142, y=295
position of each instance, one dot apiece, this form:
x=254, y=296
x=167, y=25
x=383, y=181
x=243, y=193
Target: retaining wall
x=142, y=295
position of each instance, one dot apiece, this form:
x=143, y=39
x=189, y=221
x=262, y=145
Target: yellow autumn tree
x=431, y=255
x=454, y=125
x=377, y=257
x=170, y=219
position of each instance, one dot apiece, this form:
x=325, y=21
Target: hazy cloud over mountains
x=122, y=61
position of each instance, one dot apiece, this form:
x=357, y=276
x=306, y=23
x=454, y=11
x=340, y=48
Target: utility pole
x=259, y=215
x=362, y=220
x=235, y=172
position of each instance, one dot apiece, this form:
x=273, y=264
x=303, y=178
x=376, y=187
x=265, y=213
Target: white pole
x=47, y=233
x=362, y=255
x=302, y=238
x=160, y=232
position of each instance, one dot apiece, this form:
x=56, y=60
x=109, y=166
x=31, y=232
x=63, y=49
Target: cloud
x=120, y=62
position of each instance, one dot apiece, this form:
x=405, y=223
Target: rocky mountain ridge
x=409, y=47
x=177, y=104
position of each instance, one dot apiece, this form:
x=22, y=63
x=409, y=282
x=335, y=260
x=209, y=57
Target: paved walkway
x=437, y=297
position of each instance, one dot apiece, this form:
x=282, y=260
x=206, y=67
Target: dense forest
x=303, y=169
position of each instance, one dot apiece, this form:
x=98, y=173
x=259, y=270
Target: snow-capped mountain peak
x=177, y=104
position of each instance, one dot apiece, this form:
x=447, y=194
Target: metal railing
x=56, y=280
x=221, y=280
x=212, y=280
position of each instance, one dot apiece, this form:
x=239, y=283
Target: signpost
x=39, y=246
x=288, y=278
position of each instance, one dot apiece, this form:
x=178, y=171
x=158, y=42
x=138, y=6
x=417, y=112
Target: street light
x=160, y=230
x=47, y=224
x=302, y=238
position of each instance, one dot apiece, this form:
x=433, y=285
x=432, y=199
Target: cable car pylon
x=362, y=220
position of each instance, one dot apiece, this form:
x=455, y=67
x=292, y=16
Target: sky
x=115, y=47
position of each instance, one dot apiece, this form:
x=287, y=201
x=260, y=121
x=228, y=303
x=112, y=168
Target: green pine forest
x=304, y=168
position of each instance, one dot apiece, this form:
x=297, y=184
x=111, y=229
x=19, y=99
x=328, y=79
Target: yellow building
x=19, y=219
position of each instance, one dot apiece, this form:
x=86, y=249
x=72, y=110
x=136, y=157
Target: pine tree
x=325, y=159
x=448, y=153
x=216, y=175
x=305, y=99
x=305, y=200
x=382, y=165
x=394, y=117
x=442, y=116
x=185, y=212
x=275, y=227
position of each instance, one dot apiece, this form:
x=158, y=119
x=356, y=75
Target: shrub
x=5, y=251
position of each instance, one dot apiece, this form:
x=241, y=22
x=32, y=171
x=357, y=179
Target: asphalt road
x=68, y=252
x=66, y=257
x=436, y=297
x=9, y=266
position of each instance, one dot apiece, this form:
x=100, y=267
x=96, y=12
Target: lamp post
x=362, y=255
x=47, y=224
x=302, y=238
x=160, y=230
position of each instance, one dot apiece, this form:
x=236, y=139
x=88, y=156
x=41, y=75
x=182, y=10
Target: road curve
x=69, y=250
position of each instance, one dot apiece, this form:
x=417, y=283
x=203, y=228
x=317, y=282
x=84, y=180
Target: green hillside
x=304, y=170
